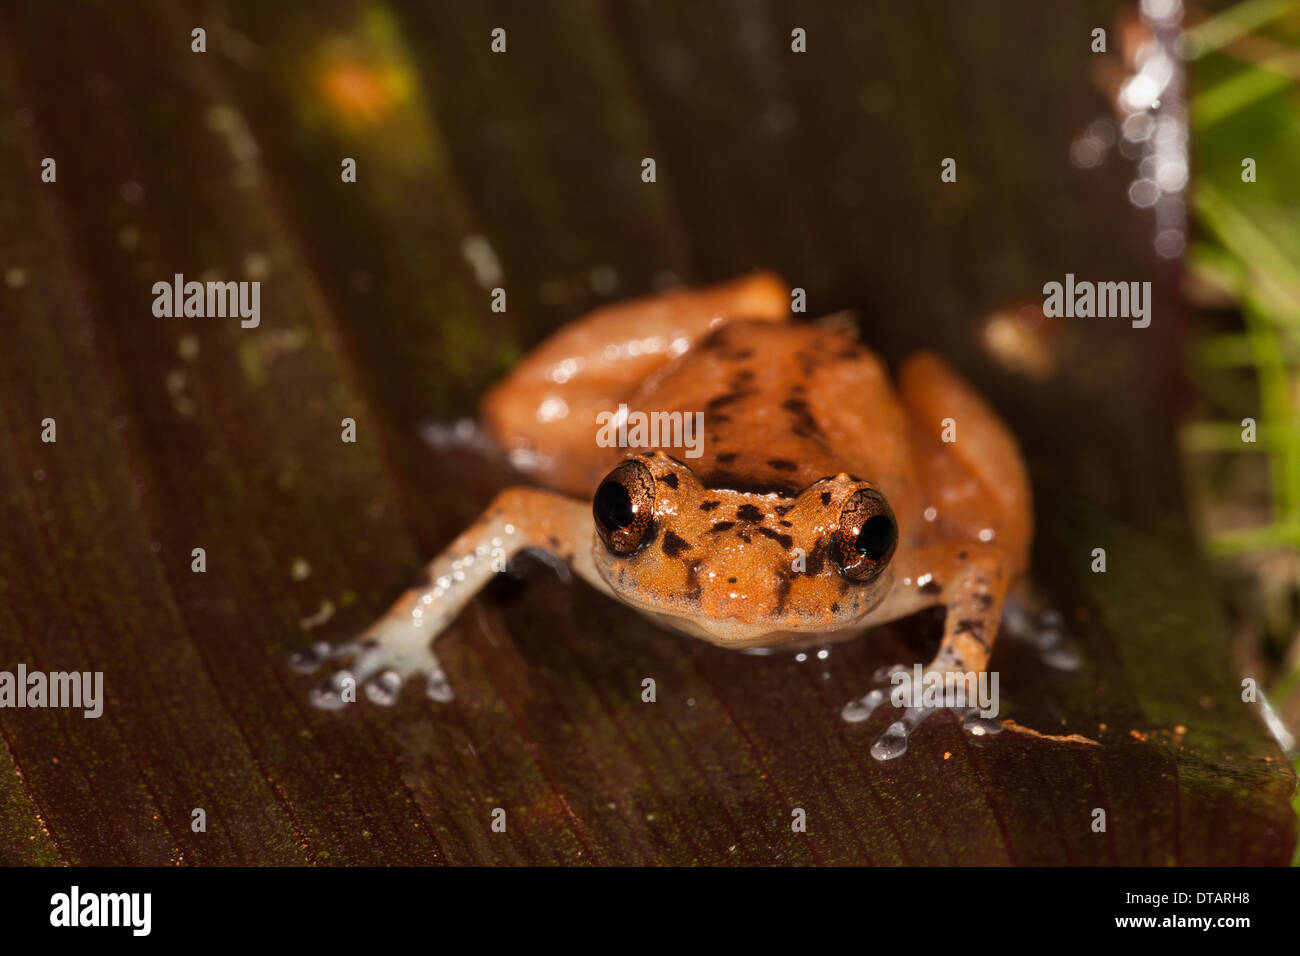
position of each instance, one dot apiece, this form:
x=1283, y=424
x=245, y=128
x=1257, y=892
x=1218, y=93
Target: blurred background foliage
x=1243, y=281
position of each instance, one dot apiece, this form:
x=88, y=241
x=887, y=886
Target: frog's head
x=742, y=569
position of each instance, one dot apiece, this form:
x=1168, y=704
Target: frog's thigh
x=933, y=392
x=546, y=407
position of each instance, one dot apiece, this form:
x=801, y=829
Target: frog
x=823, y=501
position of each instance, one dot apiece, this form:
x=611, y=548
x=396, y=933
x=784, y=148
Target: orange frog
x=822, y=500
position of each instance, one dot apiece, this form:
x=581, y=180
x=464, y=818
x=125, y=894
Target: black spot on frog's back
x=784, y=540
x=816, y=559
x=674, y=545
x=728, y=398
x=693, y=590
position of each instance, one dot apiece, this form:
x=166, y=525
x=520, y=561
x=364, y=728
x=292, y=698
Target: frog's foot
x=1043, y=629
x=893, y=742
x=380, y=662
x=397, y=646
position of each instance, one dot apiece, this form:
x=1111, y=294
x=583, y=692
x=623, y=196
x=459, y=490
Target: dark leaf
x=175, y=434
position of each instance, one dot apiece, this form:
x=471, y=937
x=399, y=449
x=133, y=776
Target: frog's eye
x=624, y=507
x=866, y=537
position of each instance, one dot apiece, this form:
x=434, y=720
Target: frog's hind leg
x=935, y=395
x=544, y=412
x=398, y=645
x=933, y=392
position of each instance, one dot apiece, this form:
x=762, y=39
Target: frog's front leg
x=973, y=595
x=399, y=644
x=970, y=580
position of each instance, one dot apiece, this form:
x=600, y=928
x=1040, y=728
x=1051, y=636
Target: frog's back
x=783, y=406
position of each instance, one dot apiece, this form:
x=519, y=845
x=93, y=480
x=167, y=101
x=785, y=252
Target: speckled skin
x=797, y=418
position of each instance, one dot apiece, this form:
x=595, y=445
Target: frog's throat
x=744, y=636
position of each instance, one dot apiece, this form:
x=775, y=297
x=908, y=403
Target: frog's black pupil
x=876, y=537
x=613, y=506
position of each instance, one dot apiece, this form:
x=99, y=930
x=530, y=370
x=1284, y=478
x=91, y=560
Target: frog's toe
x=893, y=742
x=384, y=688
x=856, y=711
x=1054, y=649
x=1044, y=630
x=307, y=660
x=861, y=708
x=335, y=691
